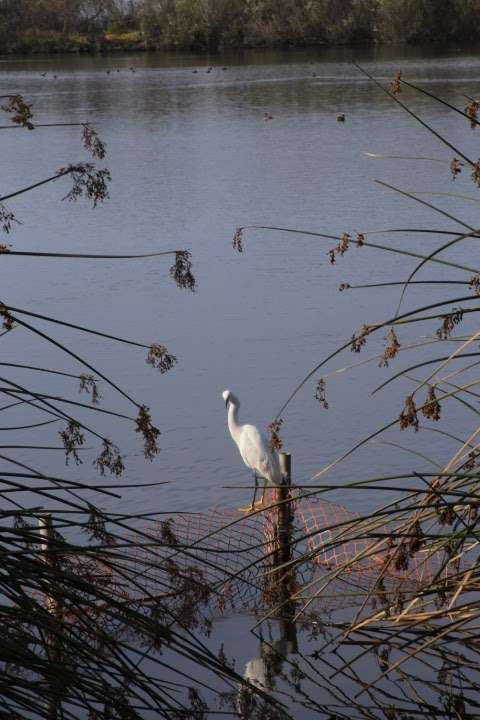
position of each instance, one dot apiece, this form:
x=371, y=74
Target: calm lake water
x=192, y=158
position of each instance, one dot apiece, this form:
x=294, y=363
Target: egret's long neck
x=233, y=424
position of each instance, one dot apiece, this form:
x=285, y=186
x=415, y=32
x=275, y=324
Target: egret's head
x=229, y=397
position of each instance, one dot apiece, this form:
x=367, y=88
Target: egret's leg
x=256, y=489
x=252, y=505
x=264, y=490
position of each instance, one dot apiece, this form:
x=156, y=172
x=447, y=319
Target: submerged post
x=285, y=535
x=284, y=508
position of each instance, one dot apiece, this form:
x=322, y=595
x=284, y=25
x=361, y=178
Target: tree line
x=216, y=24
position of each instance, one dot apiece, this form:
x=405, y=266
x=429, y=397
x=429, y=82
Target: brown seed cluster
x=22, y=113
x=92, y=142
x=87, y=182
x=360, y=239
x=109, y=459
x=445, y=513
x=471, y=111
x=96, y=527
x=476, y=174
x=237, y=241
x=408, y=416
x=340, y=249
x=7, y=318
x=474, y=283
x=72, y=439
x=343, y=286
x=320, y=393
x=88, y=384
x=395, y=86
x=431, y=407
x=449, y=323
x=181, y=270
x=416, y=540
x=275, y=440
x=159, y=358
x=408, y=547
x=471, y=463
x=359, y=339
x=391, y=349
x=149, y=432
x=455, y=168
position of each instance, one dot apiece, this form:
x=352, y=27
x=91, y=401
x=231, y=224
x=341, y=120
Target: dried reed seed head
x=344, y=244
x=449, y=322
x=402, y=557
x=320, y=393
x=6, y=219
x=445, y=513
x=408, y=416
x=340, y=249
x=149, y=432
x=181, y=270
x=476, y=174
x=471, y=111
x=109, y=459
x=92, y=143
x=275, y=442
x=159, y=358
x=88, y=384
x=167, y=532
x=343, y=286
x=431, y=407
x=359, y=339
x=237, y=241
x=22, y=113
x=474, y=283
x=471, y=463
x=4, y=249
x=416, y=540
x=391, y=349
x=72, y=439
x=96, y=527
x=8, y=321
x=198, y=707
x=87, y=182
x=395, y=86
x=455, y=168
x=360, y=239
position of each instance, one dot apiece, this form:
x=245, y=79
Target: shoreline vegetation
x=91, y=26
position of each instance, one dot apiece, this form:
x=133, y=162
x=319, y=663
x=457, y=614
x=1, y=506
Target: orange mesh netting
x=237, y=557
x=237, y=554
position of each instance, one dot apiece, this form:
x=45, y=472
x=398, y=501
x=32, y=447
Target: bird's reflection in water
x=261, y=672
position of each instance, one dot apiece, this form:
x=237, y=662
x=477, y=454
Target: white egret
x=253, y=448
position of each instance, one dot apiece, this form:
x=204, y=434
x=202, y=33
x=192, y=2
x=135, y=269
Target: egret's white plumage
x=253, y=446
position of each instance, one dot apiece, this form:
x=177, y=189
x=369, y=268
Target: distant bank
x=36, y=26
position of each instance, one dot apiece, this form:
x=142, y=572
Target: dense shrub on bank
x=34, y=25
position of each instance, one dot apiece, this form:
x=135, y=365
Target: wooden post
x=45, y=530
x=288, y=631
